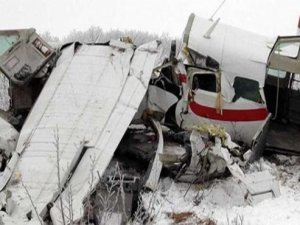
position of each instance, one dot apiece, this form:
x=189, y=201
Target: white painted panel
x=107, y=141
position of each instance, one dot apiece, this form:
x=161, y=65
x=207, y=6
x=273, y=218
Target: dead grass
x=180, y=217
x=189, y=218
x=207, y=222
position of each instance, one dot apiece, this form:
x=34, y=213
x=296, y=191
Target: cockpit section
x=26, y=61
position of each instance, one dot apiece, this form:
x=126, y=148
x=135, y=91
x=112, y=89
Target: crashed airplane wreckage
x=79, y=117
x=78, y=102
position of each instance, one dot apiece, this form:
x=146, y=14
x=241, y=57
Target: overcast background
x=267, y=17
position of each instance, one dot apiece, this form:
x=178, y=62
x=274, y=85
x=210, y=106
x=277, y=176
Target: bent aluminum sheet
x=239, y=52
x=156, y=167
x=90, y=97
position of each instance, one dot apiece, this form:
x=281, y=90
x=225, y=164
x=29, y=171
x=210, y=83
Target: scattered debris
x=156, y=165
x=8, y=142
x=260, y=186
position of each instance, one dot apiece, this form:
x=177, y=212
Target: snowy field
x=222, y=200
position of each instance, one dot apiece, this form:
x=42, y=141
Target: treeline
x=96, y=35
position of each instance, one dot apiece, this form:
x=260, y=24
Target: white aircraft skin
x=240, y=54
x=241, y=119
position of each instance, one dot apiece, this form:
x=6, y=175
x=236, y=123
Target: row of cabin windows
x=243, y=87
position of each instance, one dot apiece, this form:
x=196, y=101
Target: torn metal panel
x=205, y=156
x=108, y=139
x=197, y=145
x=217, y=158
x=259, y=140
x=239, y=52
x=156, y=165
x=261, y=185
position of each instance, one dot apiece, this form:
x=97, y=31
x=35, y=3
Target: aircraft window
x=288, y=49
x=206, y=82
x=6, y=41
x=276, y=73
x=246, y=88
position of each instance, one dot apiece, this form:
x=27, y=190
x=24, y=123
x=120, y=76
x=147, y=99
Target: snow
x=223, y=200
x=4, y=97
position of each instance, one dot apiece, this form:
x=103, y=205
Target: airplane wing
x=77, y=122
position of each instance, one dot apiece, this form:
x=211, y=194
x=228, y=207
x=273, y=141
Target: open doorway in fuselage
x=282, y=91
x=282, y=84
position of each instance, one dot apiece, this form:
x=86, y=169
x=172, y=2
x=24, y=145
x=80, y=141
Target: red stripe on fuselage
x=229, y=114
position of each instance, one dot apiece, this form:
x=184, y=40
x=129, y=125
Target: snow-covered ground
x=4, y=98
x=223, y=200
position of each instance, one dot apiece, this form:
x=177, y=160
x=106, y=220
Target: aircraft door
x=282, y=86
x=284, y=55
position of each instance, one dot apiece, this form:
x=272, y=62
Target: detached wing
x=78, y=121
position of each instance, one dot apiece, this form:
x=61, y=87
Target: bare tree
x=47, y=36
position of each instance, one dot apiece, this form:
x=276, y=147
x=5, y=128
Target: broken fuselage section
x=204, y=84
x=230, y=77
